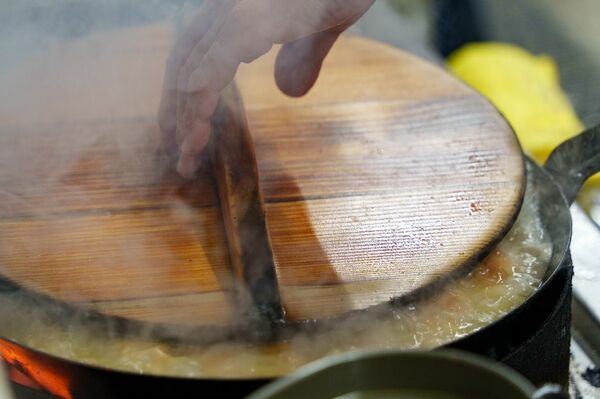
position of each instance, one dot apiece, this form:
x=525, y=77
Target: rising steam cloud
x=31, y=31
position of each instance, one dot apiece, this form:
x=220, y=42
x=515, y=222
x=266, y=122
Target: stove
x=584, y=380
x=585, y=346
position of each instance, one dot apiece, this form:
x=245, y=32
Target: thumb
x=299, y=62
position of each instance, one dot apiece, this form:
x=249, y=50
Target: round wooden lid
x=390, y=175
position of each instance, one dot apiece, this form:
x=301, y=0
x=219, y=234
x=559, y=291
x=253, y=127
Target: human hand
x=224, y=34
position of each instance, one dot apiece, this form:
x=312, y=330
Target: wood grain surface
x=388, y=176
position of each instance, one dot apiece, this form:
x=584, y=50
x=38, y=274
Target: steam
x=27, y=27
x=64, y=106
x=49, y=145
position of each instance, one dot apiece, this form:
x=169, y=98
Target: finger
x=295, y=19
x=240, y=39
x=203, y=97
x=183, y=46
x=198, y=126
x=243, y=39
x=193, y=59
x=299, y=62
x=212, y=72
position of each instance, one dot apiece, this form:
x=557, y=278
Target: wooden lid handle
x=236, y=177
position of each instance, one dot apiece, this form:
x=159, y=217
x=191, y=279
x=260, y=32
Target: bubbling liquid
x=503, y=281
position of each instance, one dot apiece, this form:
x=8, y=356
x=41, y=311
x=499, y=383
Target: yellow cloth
x=525, y=88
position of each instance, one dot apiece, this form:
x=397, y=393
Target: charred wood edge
x=256, y=287
x=585, y=329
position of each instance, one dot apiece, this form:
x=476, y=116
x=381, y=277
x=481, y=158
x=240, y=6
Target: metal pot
x=406, y=374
